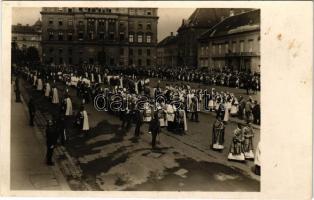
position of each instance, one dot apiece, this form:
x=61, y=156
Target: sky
x=169, y=18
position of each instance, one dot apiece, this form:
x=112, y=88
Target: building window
x=121, y=51
x=139, y=62
x=121, y=36
x=101, y=22
x=60, y=22
x=206, y=51
x=51, y=36
x=148, y=26
x=241, y=46
x=219, y=48
x=148, y=62
x=91, y=35
x=51, y=50
x=130, y=61
x=140, y=26
x=234, y=47
x=81, y=23
x=250, y=45
x=60, y=36
x=139, y=38
x=139, y=52
x=81, y=35
x=131, y=38
x=214, y=48
x=148, y=38
x=70, y=36
x=111, y=35
x=131, y=52
x=60, y=60
x=60, y=9
x=202, y=51
x=70, y=60
x=101, y=35
x=50, y=21
x=81, y=9
x=226, y=48
x=111, y=61
x=60, y=51
x=132, y=11
x=148, y=52
x=69, y=10
x=70, y=51
x=149, y=13
x=70, y=22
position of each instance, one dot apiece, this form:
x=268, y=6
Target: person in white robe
x=234, y=107
x=227, y=106
x=39, y=84
x=84, y=120
x=170, y=116
x=68, y=103
x=47, y=90
x=55, y=96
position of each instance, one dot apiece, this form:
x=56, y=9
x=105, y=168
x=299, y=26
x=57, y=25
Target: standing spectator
x=60, y=128
x=138, y=122
x=31, y=110
x=51, y=141
x=256, y=113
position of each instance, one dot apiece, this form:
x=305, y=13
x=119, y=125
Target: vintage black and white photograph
x=135, y=99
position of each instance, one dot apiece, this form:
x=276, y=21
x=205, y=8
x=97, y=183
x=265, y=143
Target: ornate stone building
x=106, y=36
x=233, y=43
x=167, y=52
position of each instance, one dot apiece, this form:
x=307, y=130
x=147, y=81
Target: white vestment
x=68, y=110
x=85, y=121
x=55, y=96
x=39, y=84
x=48, y=89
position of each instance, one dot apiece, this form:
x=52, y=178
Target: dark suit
x=51, y=141
x=154, y=128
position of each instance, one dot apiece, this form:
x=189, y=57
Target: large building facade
x=106, y=36
x=234, y=43
x=167, y=52
x=201, y=20
x=25, y=36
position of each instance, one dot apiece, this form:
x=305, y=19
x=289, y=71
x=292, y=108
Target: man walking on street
x=51, y=141
x=154, y=129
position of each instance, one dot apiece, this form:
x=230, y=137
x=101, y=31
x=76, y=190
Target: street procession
x=171, y=106
x=120, y=107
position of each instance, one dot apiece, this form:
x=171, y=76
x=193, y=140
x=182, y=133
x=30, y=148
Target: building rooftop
x=26, y=29
x=243, y=22
x=167, y=41
x=208, y=17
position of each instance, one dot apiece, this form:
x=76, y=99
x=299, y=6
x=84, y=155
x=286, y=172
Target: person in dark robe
x=218, y=135
x=256, y=113
x=138, y=118
x=51, y=141
x=31, y=111
x=17, y=90
x=154, y=129
x=60, y=128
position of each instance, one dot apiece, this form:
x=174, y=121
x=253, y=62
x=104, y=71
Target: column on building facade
x=106, y=28
x=117, y=29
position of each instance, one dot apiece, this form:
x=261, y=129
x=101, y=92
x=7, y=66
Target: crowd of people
x=127, y=93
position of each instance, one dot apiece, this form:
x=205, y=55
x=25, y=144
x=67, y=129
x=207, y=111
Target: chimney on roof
x=171, y=33
x=231, y=13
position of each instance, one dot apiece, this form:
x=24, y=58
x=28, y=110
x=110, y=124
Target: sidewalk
x=28, y=168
